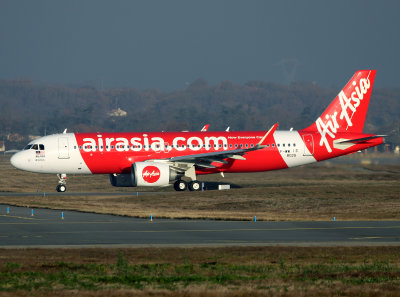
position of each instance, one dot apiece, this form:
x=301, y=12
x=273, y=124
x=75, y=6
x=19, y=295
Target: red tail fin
x=348, y=111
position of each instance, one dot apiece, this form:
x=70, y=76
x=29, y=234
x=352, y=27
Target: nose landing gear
x=62, y=181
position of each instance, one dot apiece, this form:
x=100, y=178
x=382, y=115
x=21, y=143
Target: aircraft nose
x=16, y=161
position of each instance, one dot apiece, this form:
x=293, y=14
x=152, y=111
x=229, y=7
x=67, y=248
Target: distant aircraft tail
x=348, y=111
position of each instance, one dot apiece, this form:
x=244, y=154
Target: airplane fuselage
x=108, y=153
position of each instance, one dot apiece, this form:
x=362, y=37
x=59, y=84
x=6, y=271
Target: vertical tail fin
x=348, y=110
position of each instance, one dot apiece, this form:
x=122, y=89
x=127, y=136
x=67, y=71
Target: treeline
x=29, y=109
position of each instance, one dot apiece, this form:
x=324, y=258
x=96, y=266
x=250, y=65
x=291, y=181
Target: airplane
x=158, y=159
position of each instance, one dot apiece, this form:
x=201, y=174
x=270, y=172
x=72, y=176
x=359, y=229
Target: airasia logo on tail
x=344, y=112
x=151, y=174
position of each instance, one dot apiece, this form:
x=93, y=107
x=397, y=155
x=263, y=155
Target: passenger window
x=283, y=145
x=273, y=145
x=279, y=145
x=252, y=145
x=294, y=144
x=230, y=145
x=288, y=144
x=247, y=145
x=236, y=145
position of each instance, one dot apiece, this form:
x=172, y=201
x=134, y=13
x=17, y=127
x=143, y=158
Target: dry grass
x=230, y=271
x=313, y=192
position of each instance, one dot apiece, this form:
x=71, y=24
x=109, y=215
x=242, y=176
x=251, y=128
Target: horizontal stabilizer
x=360, y=140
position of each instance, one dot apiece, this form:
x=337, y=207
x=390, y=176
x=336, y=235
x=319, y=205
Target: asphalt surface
x=41, y=194
x=46, y=228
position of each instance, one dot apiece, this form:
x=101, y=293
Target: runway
x=46, y=228
x=41, y=194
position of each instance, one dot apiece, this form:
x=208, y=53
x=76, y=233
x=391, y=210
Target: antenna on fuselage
x=65, y=131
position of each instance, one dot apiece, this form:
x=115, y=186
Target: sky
x=169, y=44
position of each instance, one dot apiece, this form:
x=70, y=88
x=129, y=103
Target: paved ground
x=46, y=228
x=41, y=194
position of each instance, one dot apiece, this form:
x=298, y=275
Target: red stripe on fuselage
x=106, y=153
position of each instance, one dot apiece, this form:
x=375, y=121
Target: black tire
x=194, y=185
x=180, y=185
x=61, y=188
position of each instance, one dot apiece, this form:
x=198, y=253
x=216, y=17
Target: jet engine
x=145, y=174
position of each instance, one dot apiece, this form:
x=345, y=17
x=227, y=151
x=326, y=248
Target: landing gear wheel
x=180, y=185
x=194, y=185
x=61, y=188
x=62, y=180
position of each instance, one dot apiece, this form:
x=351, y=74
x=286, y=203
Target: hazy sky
x=167, y=44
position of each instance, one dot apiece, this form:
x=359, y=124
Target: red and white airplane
x=160, y=158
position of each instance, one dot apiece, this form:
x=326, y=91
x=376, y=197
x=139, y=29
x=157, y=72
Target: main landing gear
x=181, y=185
x=62, y=181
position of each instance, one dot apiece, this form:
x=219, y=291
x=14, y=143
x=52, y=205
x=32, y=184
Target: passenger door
x=63, y=148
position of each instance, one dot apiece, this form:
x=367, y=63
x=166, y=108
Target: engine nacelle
x=150, y=174
x=147, y=174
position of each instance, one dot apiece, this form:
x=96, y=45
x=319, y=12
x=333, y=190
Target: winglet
x=266, y=138
x=205, y=128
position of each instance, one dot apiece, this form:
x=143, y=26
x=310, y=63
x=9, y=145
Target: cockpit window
x=36, y=147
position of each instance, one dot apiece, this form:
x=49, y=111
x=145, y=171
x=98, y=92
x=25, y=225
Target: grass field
x=313, y=192
x=230, y=271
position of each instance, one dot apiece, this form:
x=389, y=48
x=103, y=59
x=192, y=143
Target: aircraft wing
x=204, y=160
